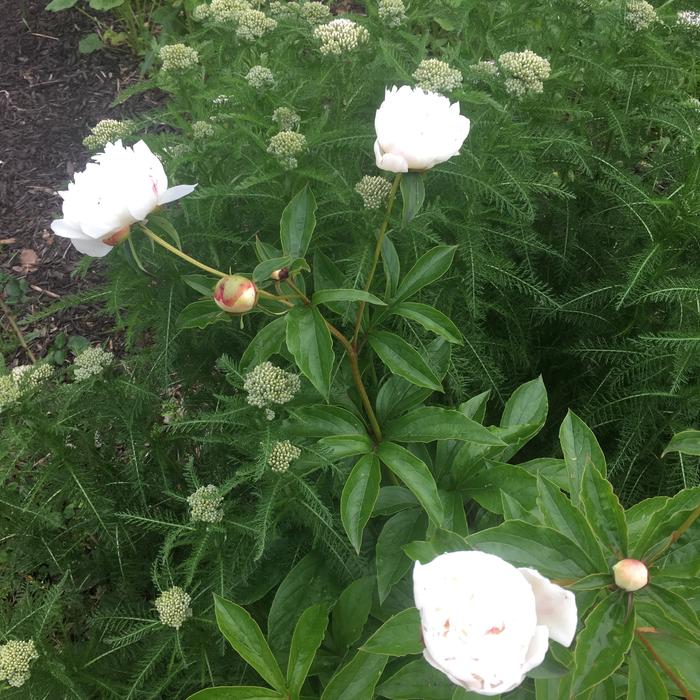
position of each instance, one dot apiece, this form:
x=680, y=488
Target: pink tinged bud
x=630, y=574
x=235, y=294
x=118, y=236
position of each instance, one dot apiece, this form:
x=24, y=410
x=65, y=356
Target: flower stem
x=664, y=666
x=377, y=253
x=17, y=331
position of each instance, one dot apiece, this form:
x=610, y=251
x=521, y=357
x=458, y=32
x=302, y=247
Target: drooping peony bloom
x=416, y=130
x=235, y=294
x=630, y=574
x=485, y=623
x=121, y=187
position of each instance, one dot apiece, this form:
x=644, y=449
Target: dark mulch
x=50, y=95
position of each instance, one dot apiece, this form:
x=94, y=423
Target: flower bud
x=280, y=274
x=630, y=574
x=118, y=236
x=235, y=294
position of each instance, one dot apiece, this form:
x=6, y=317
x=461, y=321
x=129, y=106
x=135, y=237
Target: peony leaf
x=298, y=223
x=400, y=635
x=403, y=360
x=358, y=498
x=308, y=635
x=413, y=194
x=429, y=267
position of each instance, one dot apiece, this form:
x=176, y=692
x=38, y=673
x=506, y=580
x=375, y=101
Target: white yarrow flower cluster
x=202, y=130
x=91, y=362
x=340, y=36
x=176, y=58
x=688, y=19
x=314, y=12
x=173, y=607
x=201, y=12
x=374, y=189
x=525, y=72
x=392, y=12
x=640, y=15
x=205, y=504
x=268, y=385
x=485, y=623
x=287, y=119
x=286, y=146
x=107, y=131
x=260, y=77
x=437, y=76
x=223, y=11
x=484, y=70
x=282, y=455
x=253, y=24
x=16, y=657
x=22, y=381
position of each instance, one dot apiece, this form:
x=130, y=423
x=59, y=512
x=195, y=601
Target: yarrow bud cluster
x=260, y=77
x=640, y=14
x=283, y=10
x=91, y=362
x=205, y=504
x=107, y=131
x=314, y=12
x=178, y=57
x=525, y=70
x=437, y=76
x=201, y=12
x=15, y=659
x=285, y=146
x=202, y=130
x=252, y=24
x=374, y=190
x=392, y=12
x=340, y=36
x=688, y=19
x=21, y=381
x=484, y=70
x=173, y=607
x=223, y=11
x=267, y=385
x=282, y=455
x=287, y=119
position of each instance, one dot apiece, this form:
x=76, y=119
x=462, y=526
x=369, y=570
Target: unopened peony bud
x=631, y=574
x=280, y=274
x=235, y=294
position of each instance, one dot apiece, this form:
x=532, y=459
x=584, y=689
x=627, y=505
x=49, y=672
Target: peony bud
x=235, y=294
x=630, y=574
x=280, y=274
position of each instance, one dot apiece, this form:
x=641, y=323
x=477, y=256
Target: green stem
x=17, y=331
x=664, y=666
x=377, y=253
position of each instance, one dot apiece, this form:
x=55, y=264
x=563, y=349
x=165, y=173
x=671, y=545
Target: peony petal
x=389, y=161
x=538, y=649
x=62, y=228
x=174, y=193
x=89, y=246
x=556, y=607
x=141, y=199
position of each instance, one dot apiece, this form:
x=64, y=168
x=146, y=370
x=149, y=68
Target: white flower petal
x=61, y=227
x=538, y=649
x=89, y=246
x=174, y=193
x=556, y=607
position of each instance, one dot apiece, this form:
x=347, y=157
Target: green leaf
x=603, y=511
x=359, y=496
x=403, y=360
x=239, y=692
x=527, y=406
x=392, y=499
x=264, y=269
x=351, y=612
x=105, y=5
x=486, y=484
x=309, y=341
x=357, y=679
x=342, y=446
x=601, y=646
x=298, y=223
x=244, y=635
x=400, y=635
x=200, y=283
x=165, y=227
x=440, y=542
x=266, y=343
x=687, y=442
x=430, y=318
x=327, y=275
x=643, y=680
x=325, y=421
x=413, y=195
x=429, y=267
x=560, y=514
x=90, y=43
x=475, y=408
x=200, y=314
x=328, y=296
x=536, y=546
x=58, y=5
x=311, y=581
x=307, y=638
x=417, y=680
x=430, y=423
x=392, y=562
x=391, y=265
x=580, y=447
x=416, y=475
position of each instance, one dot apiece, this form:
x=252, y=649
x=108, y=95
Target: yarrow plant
x=260, y=77
x=205, y=504
x=282, y=455
x=286, y=119
x=176, y=58
x=107, y=131
x=268, y=385
x=391, y=12
x=525, y=71
x=688, y=19
x=173, y=607
x=340, y=36
x=640, y=15
x=437, y=76
x=286, y=146
x=16, y=658
x=91, y=362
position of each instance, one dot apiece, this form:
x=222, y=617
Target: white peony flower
x=121, y=187
x=485, y=623
x=417, y=130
